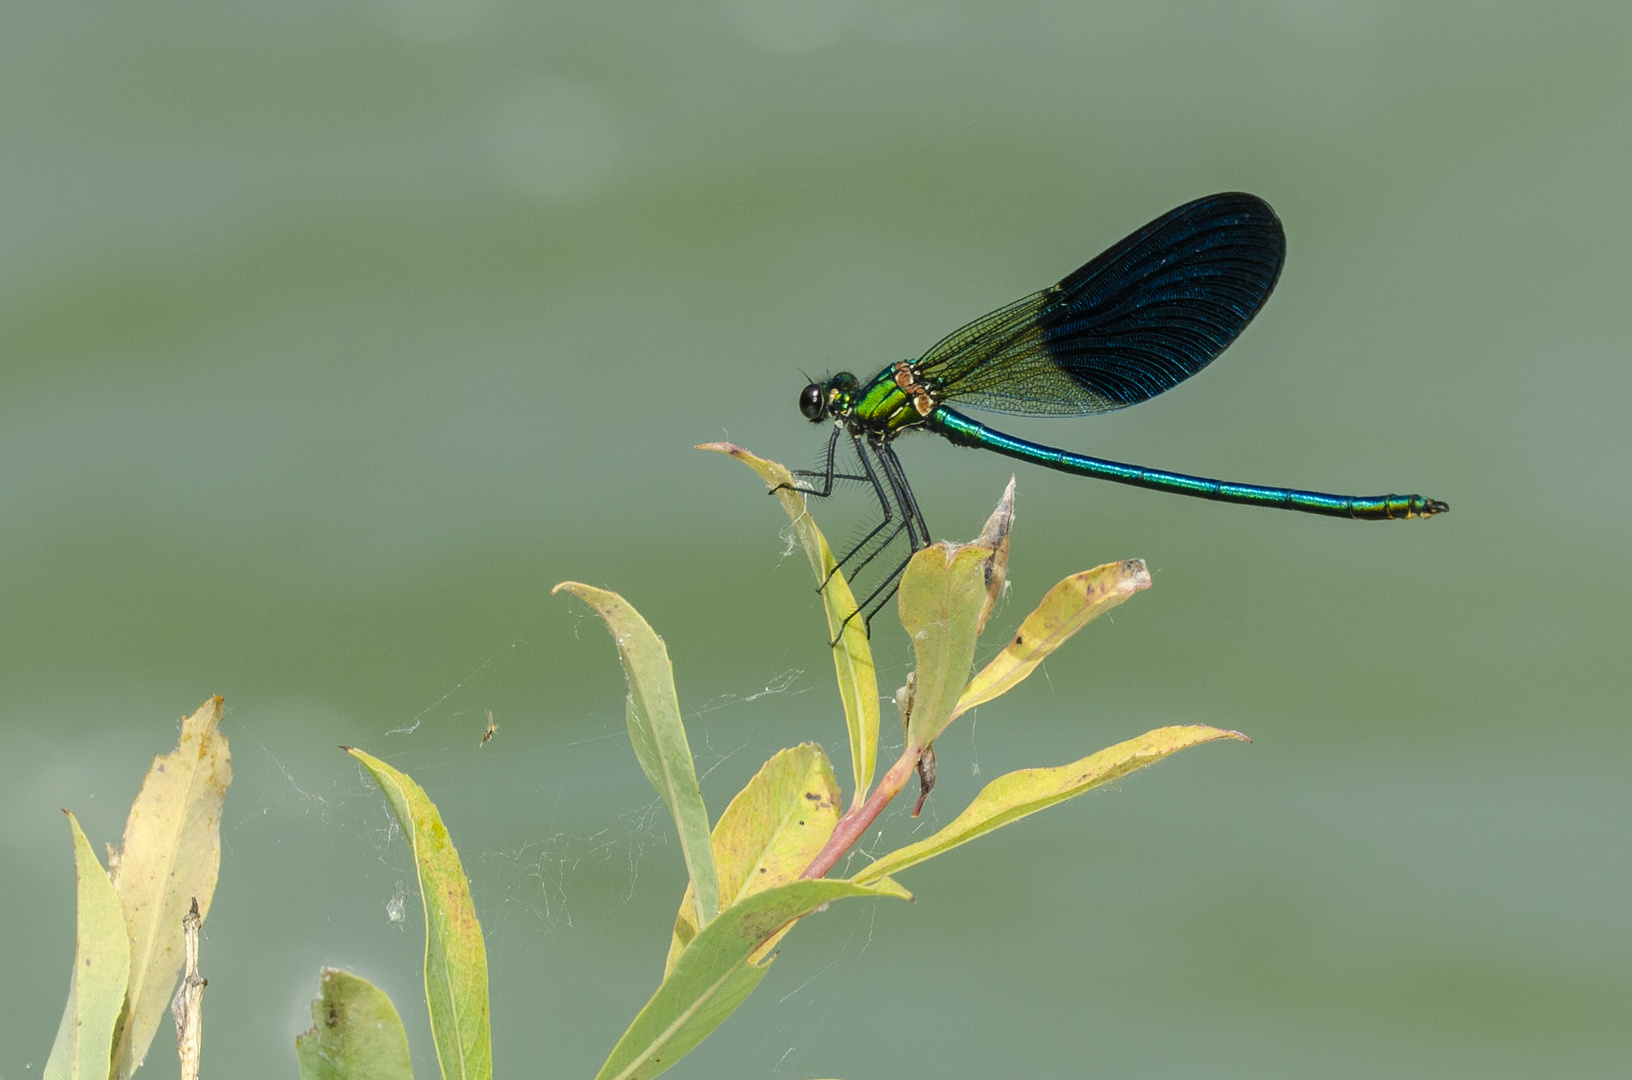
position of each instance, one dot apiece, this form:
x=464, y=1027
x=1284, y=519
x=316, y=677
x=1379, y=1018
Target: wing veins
x=1138, y=319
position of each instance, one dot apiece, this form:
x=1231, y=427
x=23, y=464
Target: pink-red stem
x=856, y=821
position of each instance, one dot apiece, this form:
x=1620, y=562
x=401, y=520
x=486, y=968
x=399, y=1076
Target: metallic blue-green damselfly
x=1140, y=318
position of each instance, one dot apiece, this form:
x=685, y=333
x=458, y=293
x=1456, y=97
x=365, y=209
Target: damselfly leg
x=898, y=514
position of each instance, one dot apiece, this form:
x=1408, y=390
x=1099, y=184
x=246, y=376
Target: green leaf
x=946, y=593
x=942, y=594
x=1018, y=794
x=356, y=1033
x=658, y=735
x=852, y=656
x=769, y=834
x=96, y=987
x=455, y=956
x=716, y=973
x=1067, y=608
x=171, y=855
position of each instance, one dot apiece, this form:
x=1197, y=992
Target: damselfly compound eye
x=810, y=402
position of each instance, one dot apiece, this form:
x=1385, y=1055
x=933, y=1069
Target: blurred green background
x=333, y=334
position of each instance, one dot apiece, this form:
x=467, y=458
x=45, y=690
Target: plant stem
x=854, y=823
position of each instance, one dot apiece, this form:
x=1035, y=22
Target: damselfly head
x=818, y=401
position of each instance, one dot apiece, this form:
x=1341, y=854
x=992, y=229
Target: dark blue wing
x=1143, y=316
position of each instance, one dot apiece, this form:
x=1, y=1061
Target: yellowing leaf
x=1065, y=609
x=1019, y=794
x=356, y=1033
x=455, y=956
x=714, y=975
x=769, y=834
x=658, y=735
x=942, y=594
x=171, y=854
x=852, y=656
x=946, y=593
x=96, y=987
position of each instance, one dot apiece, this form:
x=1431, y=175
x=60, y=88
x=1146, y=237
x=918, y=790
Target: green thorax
x=893, y=401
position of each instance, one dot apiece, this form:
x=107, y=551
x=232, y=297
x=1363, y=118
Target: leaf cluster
x=760, y=868
x=130, y=942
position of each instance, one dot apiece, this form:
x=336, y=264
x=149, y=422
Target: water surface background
x=333, y=334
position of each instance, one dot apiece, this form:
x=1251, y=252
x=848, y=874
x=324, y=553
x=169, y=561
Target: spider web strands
x=852, y=657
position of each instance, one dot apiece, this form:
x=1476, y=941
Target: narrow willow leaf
x=769, y=834
x=942, y=594
x=1018, y=794
x=455, y=956
x=96, y=987
x=1065, y=609
x=356, y=1033
x=852, y=656
x=171, y=854
x=715, y=974
x=658, y=734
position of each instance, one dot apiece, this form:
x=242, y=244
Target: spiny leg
x=912, y=521
x=881, y=595
x=828, y=473
x=888, y=517
x=917, y=530
x=869, y=476
x=886, y=588
x=882, y=547
x=825, y=473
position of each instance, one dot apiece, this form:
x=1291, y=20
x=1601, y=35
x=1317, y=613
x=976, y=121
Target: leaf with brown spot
x=1066, y=608
x=455, y=955
x=768, y=835
x=356, y=1033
